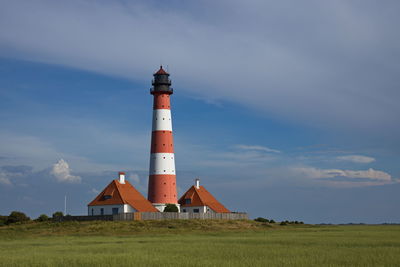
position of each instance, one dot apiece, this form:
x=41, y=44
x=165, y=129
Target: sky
x=284, y=110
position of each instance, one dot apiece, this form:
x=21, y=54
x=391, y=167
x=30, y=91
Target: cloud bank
x=356, y=158
x=317, y=63
x=346, y=177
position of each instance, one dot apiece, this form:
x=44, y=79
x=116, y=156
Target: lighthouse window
x=164, y=170
x=164, y=157
x=163, y=118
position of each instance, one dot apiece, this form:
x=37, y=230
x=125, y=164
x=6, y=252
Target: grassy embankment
x=197, y=243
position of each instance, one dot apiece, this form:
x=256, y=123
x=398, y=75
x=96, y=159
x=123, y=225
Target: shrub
x=3, y=220
x=17, y=216
x=58, y=214
x=261, y=219
x=283, y=223
x=42, y=218
x=271, y=221
x=171, y=208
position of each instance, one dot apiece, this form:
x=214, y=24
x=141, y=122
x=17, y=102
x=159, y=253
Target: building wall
x=125, y=208
x=202, y=209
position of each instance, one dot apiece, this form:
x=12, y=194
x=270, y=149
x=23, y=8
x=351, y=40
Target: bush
x=17, y=216
x=42, y=218
x=283, y=223
x=271, y=221
x=261, y=219
x=3, y=220
x=58, y=214
x=171, y=208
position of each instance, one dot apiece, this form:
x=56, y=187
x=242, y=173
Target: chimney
x=197, y=183
x=121, y=176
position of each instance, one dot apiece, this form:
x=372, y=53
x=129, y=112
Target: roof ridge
x=199, y=194
x=119, y=193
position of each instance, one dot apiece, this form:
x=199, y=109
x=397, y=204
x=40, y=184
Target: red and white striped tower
x=162, y=176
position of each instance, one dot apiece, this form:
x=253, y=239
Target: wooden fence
x=179, y=216
x=137, y=216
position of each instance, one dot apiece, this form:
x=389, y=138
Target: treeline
x=265, y=220
x=20, y=217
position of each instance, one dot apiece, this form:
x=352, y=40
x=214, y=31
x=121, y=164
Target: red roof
x=161, y=71
x=117, y=194
x=201, y=197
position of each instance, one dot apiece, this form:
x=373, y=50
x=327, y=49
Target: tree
x=171, y=208
x=42, y=218
x=271, y=221
x=58, y=214
x=261, y=219
x=17, y=216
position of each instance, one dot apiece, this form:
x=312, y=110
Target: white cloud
x=94, y=191
x=356, y=158
x=62, y=172
x=134, y=177
x=4, y=179
x=348, y=177
x=257, y=148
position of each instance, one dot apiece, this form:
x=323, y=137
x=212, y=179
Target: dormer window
x=105, y=197
x=188, y=201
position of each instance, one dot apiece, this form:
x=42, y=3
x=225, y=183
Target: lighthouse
x=162, y=173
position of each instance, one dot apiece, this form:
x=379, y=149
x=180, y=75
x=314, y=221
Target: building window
x=92, y=212
x=101, y=211
x=188, y=201
x=196, y=210
x=184, y=210
x=114, y=211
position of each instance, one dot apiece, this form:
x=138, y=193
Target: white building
x=198, y=200
x=119, y=197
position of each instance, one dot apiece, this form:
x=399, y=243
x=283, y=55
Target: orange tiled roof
x=201, y=197
x=123, y=194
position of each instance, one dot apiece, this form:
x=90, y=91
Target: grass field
x=197, y=243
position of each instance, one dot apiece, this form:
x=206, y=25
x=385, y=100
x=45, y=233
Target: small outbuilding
x=119, y=197
x=198, y=200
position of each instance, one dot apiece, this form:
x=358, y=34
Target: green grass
x=197, y=243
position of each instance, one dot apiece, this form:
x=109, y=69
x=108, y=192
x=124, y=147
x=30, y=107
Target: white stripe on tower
x=162, y=120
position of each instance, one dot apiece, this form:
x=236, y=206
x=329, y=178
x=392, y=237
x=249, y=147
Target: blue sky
x=284, y=110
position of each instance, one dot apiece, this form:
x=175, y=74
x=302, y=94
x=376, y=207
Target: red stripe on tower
x=162, y=174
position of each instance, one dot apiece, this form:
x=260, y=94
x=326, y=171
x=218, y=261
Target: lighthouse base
x=161, y=206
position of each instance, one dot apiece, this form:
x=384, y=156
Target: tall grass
x=160, y=244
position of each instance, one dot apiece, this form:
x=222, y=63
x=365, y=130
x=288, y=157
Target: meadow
x=198, y=243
